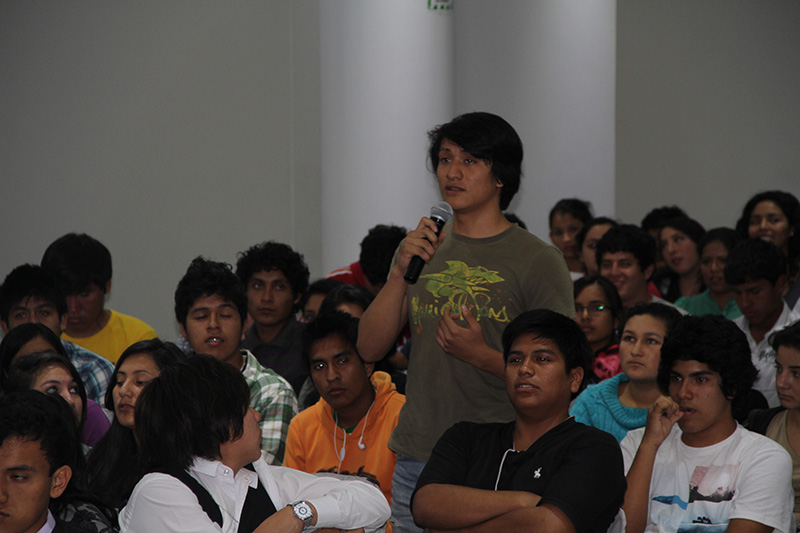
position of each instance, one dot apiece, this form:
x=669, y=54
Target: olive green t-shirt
x=497, y=278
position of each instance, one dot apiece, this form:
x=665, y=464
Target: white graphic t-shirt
x=745, y=476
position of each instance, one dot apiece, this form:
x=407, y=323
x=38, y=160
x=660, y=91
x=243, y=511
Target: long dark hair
x=113, y=464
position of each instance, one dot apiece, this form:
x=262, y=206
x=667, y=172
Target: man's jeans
x=406, y=472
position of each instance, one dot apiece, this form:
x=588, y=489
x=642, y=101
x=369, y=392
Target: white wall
x=164, y=129
x=548, y=68
x=707, y=105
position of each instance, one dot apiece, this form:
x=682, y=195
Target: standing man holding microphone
x=480, y=272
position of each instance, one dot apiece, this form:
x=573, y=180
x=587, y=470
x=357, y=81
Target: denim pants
x=406, y=472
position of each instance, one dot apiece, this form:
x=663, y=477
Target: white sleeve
x=345, y=503
x=765, y=494
x=160, y=502
x=630, y=445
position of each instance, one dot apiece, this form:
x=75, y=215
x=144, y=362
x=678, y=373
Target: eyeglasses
x=592, y=309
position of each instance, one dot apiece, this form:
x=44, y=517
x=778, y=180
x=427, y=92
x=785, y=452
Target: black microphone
x=440, y=213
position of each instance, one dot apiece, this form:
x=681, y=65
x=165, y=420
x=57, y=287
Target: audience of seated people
x=718, y=298
x=774, y=216
x=598, y=311
x=32, y=357
x=692, y=463
x=113, y=464
x=620, y=404
x=30, y=294
x=81, y=266
x=756, y=270
x=43, y=488
x=347, y=430
x=541, y=472
x=275, y=277
x=211, y=308
x=782, y=424
x=200, y=443
x=175, y=463
x=567, y=219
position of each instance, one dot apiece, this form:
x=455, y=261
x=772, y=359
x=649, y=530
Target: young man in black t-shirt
x=544, y=471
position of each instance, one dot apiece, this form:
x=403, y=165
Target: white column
x=387, y=71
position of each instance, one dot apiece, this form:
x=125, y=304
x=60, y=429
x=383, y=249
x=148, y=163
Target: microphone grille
x=443, y=211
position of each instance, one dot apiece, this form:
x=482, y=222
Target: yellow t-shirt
x=120, y=332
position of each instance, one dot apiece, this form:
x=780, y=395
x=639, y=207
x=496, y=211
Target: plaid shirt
x=274, y=399
x=95, y=371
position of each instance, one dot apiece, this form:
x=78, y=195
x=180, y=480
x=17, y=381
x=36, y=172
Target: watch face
x=303, y=511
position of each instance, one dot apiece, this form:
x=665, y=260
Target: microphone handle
x=415, y=266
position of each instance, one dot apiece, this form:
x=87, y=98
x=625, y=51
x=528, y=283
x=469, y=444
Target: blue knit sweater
x=599, y=406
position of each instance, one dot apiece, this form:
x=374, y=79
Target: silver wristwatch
x=302, y=510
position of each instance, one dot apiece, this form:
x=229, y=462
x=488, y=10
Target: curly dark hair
x=206, y=278
x=717, y=342
x=274, y=256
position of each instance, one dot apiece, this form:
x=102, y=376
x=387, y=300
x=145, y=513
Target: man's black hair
x=754, y=259
x=714, y=341
x=30, y=281
x=208, y=278
x=270, y=256
x=377, y=251
x=630, y=239
x=514, y=219
x=487, y=137
x=320, y=286
x=580, y=209
x=328, y=324
x=346, y=294
x=563, y=331
x=189, y=410
x=33, y=416
x=655, y=219
x=77, y=260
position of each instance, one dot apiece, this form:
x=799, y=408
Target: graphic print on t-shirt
x=457, y=285
x=711, y=491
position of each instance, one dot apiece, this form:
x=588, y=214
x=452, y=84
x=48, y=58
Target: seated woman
x=201, y=442
x=53, y=374
x=680, y=238
x=774, y=216
x=598, y=311
x=620, y=404
x=586, y=241
x=566, y=219
x=113, y=465
x=33, y=337
x=717, y=299
x=782, y=424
